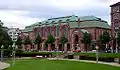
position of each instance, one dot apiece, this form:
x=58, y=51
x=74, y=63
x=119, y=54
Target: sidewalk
x=4, y=65
x=108, y=63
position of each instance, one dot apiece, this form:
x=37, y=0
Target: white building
x=13, y=33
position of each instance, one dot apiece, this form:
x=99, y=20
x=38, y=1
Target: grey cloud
x=43, y=8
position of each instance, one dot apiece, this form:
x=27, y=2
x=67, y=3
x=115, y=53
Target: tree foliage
x=38, y=41
x=19, y=42
x=104, y=38
x=50, y=39
x=63, y=40
x=27, y=41
x=5, y=39
x=86, y=39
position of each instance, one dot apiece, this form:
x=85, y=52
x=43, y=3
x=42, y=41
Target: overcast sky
x=20, y=13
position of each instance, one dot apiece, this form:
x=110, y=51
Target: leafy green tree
x=38, y=41
x=104, y=38
x=63, y=40
x=86, y=40
x=1, y=23
x=4, y=37
x=50, y=39
x=27, y=41
x=5, y=40
x=19, y=43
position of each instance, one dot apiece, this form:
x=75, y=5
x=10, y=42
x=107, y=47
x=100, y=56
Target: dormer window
x=46, y=22
x=60, y=20
x=68, y=20
x=53, y=21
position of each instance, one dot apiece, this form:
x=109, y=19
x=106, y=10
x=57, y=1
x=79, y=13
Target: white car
x=38, y=56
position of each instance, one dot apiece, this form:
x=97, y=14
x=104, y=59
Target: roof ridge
x=63, y=17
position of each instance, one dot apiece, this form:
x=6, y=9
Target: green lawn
x=44, y=64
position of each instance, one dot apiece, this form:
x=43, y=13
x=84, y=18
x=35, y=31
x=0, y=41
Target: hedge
x=110, y=55
x=105, y=59
x=33, y=54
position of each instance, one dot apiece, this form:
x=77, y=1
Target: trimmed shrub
x=33, y=54
x=70, y=57
x=105, y=59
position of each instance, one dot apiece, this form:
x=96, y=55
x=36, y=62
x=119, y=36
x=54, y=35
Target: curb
x=4, y=65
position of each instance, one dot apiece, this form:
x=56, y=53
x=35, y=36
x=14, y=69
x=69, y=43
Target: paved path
x=108, y=63
x=4, y=65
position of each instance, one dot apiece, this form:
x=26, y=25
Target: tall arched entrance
x=76, y=40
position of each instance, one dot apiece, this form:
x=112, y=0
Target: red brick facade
x=72, y=35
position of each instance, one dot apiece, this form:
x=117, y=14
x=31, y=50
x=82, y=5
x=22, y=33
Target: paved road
x=108, y=63
x=4, y=65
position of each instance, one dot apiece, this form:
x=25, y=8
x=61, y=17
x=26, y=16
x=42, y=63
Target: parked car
x=76, y=50
x=38, y=56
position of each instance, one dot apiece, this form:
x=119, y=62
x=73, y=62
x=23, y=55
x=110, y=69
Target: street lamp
x=116, y=43
x=13, y=53
x=57, y=52
x=97, y=53
x=2, y=53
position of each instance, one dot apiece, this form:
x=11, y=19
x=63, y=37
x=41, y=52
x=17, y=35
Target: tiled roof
x=101, y=24
x=86, y=21
x=84, y=18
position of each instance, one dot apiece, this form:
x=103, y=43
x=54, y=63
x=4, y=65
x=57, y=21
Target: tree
x=86, y=40
x=37, y=41
x=63, y=40
x=5, y=40
x=4, y=37
x=27, y=41
x=1, y=23
x=104, y=38
x=19, y=42
x=50, y=40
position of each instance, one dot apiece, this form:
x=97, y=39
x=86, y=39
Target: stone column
x=72, y=43
x=65, y=47
x=49, y=47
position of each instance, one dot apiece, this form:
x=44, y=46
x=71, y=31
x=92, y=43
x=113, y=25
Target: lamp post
x=116, y=43
x=2, y=53
x=57, y=52
x=97, y=57
x=13, y=53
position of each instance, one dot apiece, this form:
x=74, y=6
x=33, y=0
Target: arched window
x=57, y=31
x=60, y=21
x=43, y=32
x=50, y=30
x=65, y=31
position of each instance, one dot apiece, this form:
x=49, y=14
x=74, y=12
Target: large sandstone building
x=72, y=27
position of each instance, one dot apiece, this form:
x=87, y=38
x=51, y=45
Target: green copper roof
x=60, y=19
x=83, y=18
x=101, y=24
x=86, y=21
